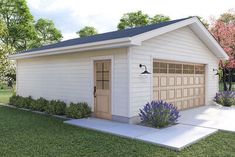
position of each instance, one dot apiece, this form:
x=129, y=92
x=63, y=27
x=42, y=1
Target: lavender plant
x=159, y=114
x=225, y=98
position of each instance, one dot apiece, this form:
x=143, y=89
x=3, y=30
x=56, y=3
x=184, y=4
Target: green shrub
x=225, y=98
x=39, y=104
x=13, y=100
x=27, y=102
x=56, y=107
x=21, y=102
x=79, y=110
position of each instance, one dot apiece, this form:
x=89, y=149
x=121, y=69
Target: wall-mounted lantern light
x=217, y=71
x=145, y=71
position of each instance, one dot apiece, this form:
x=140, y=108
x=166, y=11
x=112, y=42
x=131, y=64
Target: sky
x=70, y=16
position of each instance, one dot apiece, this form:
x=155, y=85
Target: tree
x=138, y=18
x=228, y=17
x=18, y=33
x=87, y=31
x=159, y=18
x=133, y=19
x=224, y=32
x=20, y=24
x=7, y=67
x=47, y=33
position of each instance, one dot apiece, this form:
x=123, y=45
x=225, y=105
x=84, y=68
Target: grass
x=5, y=95
x=28, y=134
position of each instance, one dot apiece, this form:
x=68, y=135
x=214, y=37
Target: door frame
x=100, y=58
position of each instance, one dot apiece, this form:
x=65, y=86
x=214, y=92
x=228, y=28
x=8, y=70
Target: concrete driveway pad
x=216, y=117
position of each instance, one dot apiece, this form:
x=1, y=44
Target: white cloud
x=71, y=15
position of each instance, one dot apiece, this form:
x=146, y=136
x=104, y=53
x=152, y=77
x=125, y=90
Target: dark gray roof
x=106, y=36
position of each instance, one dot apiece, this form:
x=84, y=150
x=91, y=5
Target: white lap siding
x=69, y=77
x=178, y=45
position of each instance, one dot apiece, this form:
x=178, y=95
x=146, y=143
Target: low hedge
x=78, y=110
x=54, y=107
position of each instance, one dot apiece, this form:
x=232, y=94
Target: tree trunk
x=224, y=80
x=230, y=79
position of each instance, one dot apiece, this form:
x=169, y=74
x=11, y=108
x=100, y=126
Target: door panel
x=102, y=89
x=180, y=83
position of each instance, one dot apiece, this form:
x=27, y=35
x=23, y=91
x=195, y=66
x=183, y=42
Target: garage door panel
x=202, y=90
x=197, y=102
x=197, y=80
x=191, y=103
x=191, y=80
x=156, y=95
x=190, y=92
x=185, y=92
x=197, y=91
x=178, y=80
x=171, y=81
x=185, y=80
x=180, y=84
x=171, y=94
x=202, y=80
x=163, y=81
x=163, y=94
x=156, y=81
x=185, y=104
x=178, y=93
x=179, y=105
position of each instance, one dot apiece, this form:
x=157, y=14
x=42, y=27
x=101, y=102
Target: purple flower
x=159, y=114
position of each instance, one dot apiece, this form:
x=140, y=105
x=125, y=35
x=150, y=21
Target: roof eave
x=114, y=43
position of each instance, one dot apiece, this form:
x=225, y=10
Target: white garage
x=177, y=58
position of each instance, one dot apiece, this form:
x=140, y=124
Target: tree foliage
x=223, y=29
x=47, y=33
x=228, y=17
x=18, y=32
x=159, y=18
x=225, y=35
x=87, y=31
x=20, y=24
x=138, y=18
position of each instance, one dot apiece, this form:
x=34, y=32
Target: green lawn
x=5, y=95
x=24, y=134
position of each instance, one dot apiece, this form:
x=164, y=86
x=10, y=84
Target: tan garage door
x=179, y=83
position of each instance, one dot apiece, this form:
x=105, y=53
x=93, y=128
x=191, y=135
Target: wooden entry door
x=102, y=89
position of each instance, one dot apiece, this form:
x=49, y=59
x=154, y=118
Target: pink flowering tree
x=224, y=33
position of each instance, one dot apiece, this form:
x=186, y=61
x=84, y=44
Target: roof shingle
x=106, y=36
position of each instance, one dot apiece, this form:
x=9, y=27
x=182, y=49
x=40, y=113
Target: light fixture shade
x=145, y=71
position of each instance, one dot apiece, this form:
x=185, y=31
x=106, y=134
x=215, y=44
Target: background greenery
x=5, y=94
